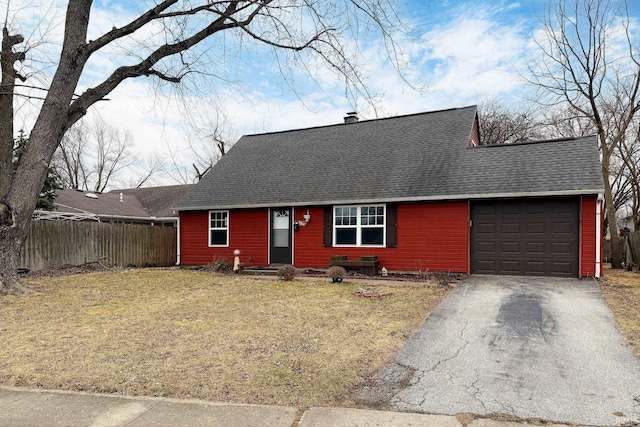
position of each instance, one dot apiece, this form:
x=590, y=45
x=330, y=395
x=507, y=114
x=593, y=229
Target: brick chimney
x=351, y=117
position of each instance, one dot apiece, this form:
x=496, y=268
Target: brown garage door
x=533, y=237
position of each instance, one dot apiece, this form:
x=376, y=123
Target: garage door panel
x=510, y=228
x=486, y=247
x=558, y=248
x=510, y=209
x=525, y=237
x=561, y=269
x=509, y=267
x=536, y=228
x=532, y=208
x=510, y=248
x=534, y=268
x=483, y=228
x=486, y=209
x=562, y=228
x=567, y=209
x=486, y=267
x=535, y=248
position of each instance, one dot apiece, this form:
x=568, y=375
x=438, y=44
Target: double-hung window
x=219, y=228
x=359, y=225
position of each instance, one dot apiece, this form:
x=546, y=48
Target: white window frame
x=359, y=226
x=210, y=228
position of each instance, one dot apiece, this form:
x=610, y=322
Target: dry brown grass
x=621, y=290
x=192, y=334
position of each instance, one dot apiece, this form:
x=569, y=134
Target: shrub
x=336, y=273
x=220, y=265
x=287, y=272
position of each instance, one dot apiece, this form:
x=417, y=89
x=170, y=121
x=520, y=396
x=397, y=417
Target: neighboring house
x=149, y=205
x=416, y=191
x=158, y=201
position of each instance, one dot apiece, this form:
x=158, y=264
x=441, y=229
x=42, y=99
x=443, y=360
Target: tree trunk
x=11, y=239
x=616, y=250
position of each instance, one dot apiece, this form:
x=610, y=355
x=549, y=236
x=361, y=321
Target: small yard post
x=236, y=261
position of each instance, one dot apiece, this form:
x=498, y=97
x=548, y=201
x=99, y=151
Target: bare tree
x=111, y=156
x=68, y=160
x=580, y=66
x=92, y=153
x=501, y=125
x=214, y=135
x=145, y=174
x=629, y=160
x=566, y=122
x=210, y=133
x=165, y=42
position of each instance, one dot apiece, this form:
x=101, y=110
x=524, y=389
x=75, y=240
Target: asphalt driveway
x=531, y=347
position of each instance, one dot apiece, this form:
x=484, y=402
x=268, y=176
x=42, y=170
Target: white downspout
x=599, y=236
x=293, y=234
x=178, y=241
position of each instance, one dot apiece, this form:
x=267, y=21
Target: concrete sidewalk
x=25, y=407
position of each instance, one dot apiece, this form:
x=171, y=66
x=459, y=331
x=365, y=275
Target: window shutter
x=328, y=226
x=392, y=226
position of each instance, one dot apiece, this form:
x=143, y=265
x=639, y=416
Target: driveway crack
x=473, y=391
x=462, y=347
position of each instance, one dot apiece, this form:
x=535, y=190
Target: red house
x=417, y=191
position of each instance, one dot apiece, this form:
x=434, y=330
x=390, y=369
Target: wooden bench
x=368, y=264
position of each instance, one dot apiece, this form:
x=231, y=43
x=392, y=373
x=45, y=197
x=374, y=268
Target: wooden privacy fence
x=58, y=243
x=632, y=250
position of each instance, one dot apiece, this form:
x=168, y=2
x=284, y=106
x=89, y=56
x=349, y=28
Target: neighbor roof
x=78, y=201
x=141, y=203
x=414, y=157
x=158, y=201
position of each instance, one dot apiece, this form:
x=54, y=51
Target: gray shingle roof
x=144, y=202
x=414, y=157
x=158, y=201
x=74, y=201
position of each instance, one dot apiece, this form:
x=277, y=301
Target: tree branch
x=90, y=96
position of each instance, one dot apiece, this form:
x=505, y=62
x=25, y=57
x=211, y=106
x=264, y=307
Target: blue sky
x=458, y=53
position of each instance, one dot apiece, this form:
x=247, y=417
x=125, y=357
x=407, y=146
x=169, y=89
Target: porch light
x=307, y=218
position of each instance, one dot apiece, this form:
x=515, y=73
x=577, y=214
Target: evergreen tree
x=51, y=183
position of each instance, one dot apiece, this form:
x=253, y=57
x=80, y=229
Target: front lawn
x=193, y=334
x=621, y=290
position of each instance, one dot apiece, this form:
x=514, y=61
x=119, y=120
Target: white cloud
x=460, y=57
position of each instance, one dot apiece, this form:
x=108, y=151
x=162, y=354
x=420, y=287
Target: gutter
x=398, y=199
x=140, y=218
x=110, y=216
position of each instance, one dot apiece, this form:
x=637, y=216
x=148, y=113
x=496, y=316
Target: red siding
x=474, y=138
x=431, y=236
x=247, y=232
x=588, y=236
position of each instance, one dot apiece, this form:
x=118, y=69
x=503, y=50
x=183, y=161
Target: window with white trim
x=218, y=228
x=359, y=225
